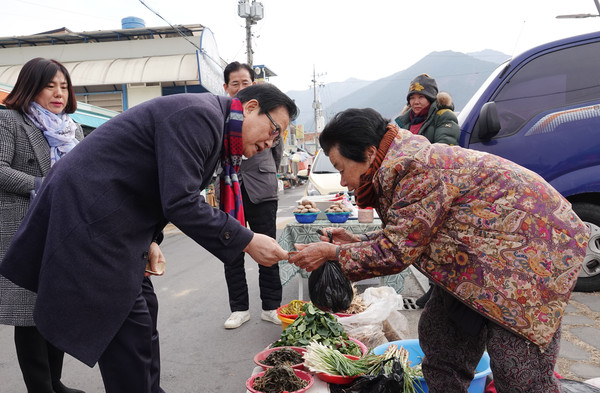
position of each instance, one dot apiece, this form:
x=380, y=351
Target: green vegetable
x=410, y=373
x=321, y=359
x=319, y=326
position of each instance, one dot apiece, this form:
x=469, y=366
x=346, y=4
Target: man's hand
x=156, y=261
x=265, y=250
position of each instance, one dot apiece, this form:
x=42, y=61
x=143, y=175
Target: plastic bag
x=380, y=322
x=329, y=288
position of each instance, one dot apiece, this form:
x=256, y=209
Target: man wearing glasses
x=258, y=179
x=96, y=222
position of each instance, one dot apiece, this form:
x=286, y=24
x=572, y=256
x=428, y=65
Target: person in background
x=502, y=245
x=258, y=179
x=429, y=113
x=35, y=132
x=96, y=222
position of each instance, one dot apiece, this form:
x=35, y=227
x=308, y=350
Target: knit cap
x=424, y=85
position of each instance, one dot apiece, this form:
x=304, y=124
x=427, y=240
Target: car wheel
x=589, y=276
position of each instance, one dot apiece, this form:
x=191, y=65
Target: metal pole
x=249, y=40
x=316, y=105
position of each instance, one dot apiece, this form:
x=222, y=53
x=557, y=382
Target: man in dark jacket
x=86, y=239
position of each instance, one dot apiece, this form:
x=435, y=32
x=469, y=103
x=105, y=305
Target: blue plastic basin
x=415, y=356
x=306, y=218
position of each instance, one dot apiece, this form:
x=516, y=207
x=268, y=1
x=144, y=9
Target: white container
x=365, y=215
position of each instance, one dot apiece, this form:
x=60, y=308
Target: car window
x=322, y=164
x=562, y=78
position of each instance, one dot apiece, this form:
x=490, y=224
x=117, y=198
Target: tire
x=589, y=276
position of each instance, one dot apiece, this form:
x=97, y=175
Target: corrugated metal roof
x=64, y=36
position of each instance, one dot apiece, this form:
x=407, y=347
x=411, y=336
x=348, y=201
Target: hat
x=424, y=85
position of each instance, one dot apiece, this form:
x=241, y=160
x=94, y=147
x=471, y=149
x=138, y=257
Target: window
x=559, y=79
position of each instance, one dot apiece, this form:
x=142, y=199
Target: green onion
x=322, y=359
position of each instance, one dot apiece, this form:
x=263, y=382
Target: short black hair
x=353, y=131
x=269, y=97
x=33, y=78
x=234, y=66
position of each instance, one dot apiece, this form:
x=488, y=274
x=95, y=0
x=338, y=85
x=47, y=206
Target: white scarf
x=59, y=130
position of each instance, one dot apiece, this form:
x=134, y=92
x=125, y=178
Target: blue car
x=541, y=109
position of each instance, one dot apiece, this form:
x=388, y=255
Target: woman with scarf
x=503, y=247
x=429, y=112
x=35, y=132
x=105, y=203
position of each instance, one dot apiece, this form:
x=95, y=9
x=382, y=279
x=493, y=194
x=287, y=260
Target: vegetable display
x=319, y=326
x=390, y=367
x=279, y=379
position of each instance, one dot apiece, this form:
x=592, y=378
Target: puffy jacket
x=441, y=125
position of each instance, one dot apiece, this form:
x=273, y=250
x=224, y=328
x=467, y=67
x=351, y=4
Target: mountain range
x=459, y=74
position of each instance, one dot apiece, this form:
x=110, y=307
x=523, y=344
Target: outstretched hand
x=265, y=250
x=313, y=255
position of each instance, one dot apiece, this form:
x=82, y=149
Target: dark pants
x=262, y=218
x=453, y=349
x=41, y=362
x=131, y=362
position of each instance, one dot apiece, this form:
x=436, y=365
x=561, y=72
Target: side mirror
x=489, y=123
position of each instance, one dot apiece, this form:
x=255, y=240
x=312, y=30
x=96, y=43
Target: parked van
x=541, y=109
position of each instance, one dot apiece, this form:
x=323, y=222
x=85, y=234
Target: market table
x=295, y=232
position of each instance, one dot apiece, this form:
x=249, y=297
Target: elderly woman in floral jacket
x=503, y=246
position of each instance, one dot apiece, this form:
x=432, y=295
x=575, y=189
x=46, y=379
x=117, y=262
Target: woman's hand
x=339, y=236
x=265, y=250
x=313, y=255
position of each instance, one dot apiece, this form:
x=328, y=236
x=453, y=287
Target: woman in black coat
x=35, y=132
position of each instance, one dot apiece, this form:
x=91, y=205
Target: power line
x=177, y=29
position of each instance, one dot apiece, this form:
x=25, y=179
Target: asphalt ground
x=199, y=355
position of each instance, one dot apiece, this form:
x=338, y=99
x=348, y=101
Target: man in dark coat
x=85, y=242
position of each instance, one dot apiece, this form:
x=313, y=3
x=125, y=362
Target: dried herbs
x=283, y=356
x=279, y=379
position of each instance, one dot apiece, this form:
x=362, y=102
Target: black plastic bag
x=381, y=383
x=329, y=289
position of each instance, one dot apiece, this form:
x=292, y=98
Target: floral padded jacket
x=494, y=234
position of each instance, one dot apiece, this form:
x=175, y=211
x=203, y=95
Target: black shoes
x=59, y=387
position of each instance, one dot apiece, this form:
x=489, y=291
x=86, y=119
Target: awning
x=91, y=115
x=174, y=68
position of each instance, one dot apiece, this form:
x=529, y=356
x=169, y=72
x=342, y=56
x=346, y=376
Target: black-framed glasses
x=277, y=132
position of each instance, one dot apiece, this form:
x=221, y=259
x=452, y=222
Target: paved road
x=199, y=355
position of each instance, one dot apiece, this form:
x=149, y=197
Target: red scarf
x=365, y=194
x=230, y=192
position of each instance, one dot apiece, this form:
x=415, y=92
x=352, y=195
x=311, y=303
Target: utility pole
x=252, y=13
x=319, y=120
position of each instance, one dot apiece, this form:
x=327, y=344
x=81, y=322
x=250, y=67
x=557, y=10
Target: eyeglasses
x=277, y=132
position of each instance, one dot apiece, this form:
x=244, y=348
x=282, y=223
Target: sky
x=334, y=40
